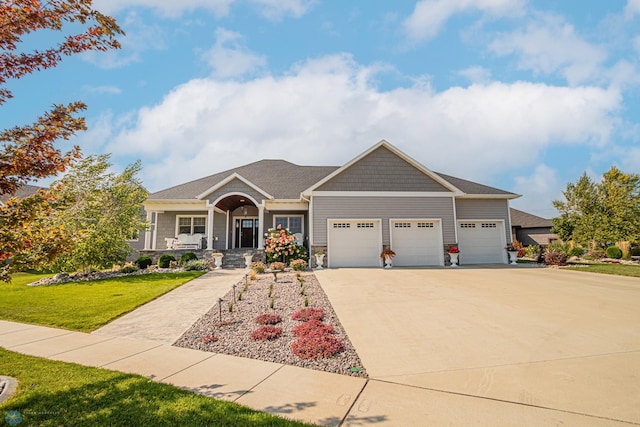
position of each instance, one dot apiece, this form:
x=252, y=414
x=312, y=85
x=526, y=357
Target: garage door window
x=365, y=225
x=402, y=225
x=341, y=225
x=425, y=225
x=467, y=226
x=493, y=225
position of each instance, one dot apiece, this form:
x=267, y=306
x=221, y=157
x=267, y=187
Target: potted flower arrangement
x=217, y=259
x=453, y=255
x=387, y=255
x=319, y=259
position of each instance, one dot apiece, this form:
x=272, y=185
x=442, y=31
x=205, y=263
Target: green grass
x=52, y=393
x=617, y=269
x=82, y=306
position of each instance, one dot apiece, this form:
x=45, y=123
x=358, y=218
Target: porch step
x=234, y=258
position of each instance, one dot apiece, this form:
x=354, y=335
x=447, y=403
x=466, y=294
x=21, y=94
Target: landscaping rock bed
x=96, y=275
x=232, y=335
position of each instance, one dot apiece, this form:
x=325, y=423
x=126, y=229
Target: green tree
x=608, y=211
x=102, y=211
x=28, y=238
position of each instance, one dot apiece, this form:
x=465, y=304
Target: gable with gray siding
x=235, y=186
x=382, y=170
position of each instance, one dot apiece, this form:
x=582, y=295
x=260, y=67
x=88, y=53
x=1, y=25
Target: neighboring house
x=382, y=198
x=23, y=191
x=530, y=229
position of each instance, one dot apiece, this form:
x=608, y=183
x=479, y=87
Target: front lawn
x=52, y=393
x=83, y=306
x=617, y=269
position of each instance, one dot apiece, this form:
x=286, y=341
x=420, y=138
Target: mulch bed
x=230, y=332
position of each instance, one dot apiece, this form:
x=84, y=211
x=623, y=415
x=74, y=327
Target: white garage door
x=481, y=242
x=354, y=243
x=416, y=242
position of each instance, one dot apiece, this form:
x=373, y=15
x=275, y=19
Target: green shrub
x=614, y=252
x=298, y=264
x=559, y=247
x=143, y=262
x=196, y=265
x=189, y=256
x=576, y=251
x=129, y=268
x=165, y=260
x=532, y=251
x=258, y=267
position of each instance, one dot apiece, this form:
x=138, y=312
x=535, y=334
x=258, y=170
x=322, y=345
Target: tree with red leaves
x=29, y=152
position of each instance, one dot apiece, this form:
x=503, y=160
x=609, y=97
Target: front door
x=246, y=232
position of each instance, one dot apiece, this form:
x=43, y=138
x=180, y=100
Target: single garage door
x=416, y=242
x=481, y=242
x=354, y=243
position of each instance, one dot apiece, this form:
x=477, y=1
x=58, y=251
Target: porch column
x=210, y=228
x=155, y=231
x=226, y=238
x=147, y=232
x=261, y=226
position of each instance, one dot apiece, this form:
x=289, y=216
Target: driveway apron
x=526, y=346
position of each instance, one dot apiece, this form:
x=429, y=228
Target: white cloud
x=429, y=16
x=139, y=37
x=540, y=189
x=112, y=90
x=632, y=8
x=277, y=9
x=549, y=45
x=327, y=110
x=270, y=9
x=476, y=74
x=168, y=8
x=230, y=58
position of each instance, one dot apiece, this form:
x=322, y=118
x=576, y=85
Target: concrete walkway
x=166, y=318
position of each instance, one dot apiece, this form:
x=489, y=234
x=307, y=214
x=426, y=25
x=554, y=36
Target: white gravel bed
x=233, y=335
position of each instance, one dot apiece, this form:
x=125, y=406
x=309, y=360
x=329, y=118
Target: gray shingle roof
x=281, y=179
x=527, y=220
x=285, y=180
x=470, y=187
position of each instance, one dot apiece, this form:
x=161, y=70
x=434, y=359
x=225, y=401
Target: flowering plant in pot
x=453, y=250
x=387, y=255
x=453, y=255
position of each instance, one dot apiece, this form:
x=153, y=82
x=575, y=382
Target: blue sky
x=521, y=95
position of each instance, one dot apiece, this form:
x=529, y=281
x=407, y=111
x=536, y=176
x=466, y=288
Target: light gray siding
x=219, y=230
x=484, y=209
x=235, y=186
x=381, y=170
x=535, y=236
x=384, y=208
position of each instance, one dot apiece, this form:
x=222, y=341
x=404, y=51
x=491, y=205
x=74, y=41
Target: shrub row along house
x=381, y=199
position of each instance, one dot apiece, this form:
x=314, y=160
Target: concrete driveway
x=492, y=346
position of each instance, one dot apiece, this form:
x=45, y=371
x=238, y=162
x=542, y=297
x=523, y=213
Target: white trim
x=155, y=231
x=190, y=216
x=277, y=205
x=455, y=220
x=147, y=232
x=397, y=152
x=503, y=235
x=260, y=226
x=240, y=218
x=440, y=235
x=233, y=193
x=209, y=230
x=330, y=220
x=226, y=239
x=382, y=194
x=230, y=178
x=510, y=226
x=310, y=212
x=490, y=196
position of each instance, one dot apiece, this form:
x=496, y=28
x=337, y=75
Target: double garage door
x=357, y=243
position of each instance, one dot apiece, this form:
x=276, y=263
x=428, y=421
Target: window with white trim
x=292, y=222
x=191, y=225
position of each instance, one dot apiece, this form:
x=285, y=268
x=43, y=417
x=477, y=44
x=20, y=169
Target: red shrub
x=309, y=313
x=209, y=338
x=268, y=319
x=265, y=333
x=325, y=345
x=311, y=328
